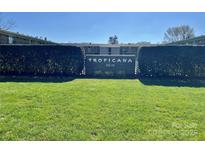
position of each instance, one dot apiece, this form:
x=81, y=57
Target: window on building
x=109, y=51
x=11, y=40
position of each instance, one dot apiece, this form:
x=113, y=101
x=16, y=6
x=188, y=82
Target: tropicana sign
x=114, y=64
x=110, y=60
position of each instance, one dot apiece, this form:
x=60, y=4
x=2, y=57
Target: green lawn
x=101, y=109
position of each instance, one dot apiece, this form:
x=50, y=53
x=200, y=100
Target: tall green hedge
x=40, y=60
x=172, y=61
x=155, y=61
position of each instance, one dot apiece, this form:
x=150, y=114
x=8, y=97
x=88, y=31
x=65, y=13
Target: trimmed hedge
x=155, y=61
x=172, y=61
x=40, y=60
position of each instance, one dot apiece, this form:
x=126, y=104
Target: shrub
x=40, y=60
x=172, y=61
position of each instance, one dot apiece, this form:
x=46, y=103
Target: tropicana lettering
x=110, y=60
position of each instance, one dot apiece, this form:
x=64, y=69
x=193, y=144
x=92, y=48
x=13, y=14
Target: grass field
x=101, y=109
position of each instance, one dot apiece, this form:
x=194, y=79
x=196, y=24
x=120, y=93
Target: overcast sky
x=97, y=27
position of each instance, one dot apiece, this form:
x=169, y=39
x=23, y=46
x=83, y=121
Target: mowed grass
x=100, y=109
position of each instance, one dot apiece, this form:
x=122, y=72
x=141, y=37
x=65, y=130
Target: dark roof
x=24, y=36
x=195, y=40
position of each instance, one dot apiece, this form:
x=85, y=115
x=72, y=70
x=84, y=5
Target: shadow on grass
x=170, y=82
x=108, y=77
x=54, y=79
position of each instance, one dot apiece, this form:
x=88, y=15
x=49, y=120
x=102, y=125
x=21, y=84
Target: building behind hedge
x=108, y=49
x=200, y=40
x=8, y=37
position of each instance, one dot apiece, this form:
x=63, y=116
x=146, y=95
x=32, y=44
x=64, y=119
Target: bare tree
x=113, y=40
x=178, y=33
x=6, y=25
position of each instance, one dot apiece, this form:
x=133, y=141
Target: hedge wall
x=40, y=60
x=172, y=61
